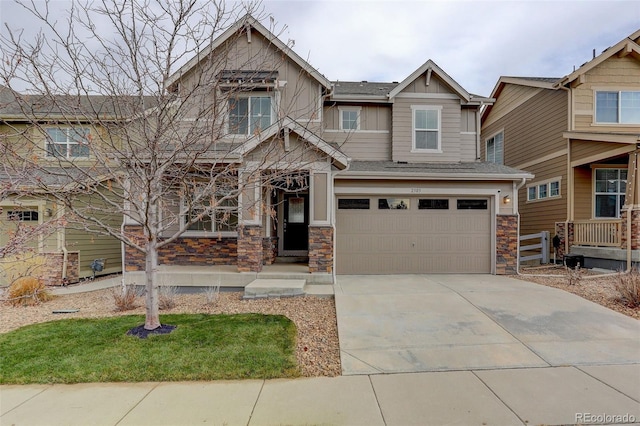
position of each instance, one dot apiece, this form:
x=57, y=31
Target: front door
x=295, y=225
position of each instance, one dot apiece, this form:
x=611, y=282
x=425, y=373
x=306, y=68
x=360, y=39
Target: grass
x=202, y=347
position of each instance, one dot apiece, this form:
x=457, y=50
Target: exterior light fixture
x=506, y=199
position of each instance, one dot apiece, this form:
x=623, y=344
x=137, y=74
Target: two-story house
x=41, y=132
x=380, y=177
x=580, y=136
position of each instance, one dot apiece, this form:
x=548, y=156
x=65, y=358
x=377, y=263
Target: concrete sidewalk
x=526, y=396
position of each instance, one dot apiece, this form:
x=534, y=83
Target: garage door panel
x=377, y=241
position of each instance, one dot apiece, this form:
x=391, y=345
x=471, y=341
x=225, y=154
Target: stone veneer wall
x=635, y=229
x=270, y=249
x=506, y=244
x=320, y=249
x=185, y=251
x=250, y=249
x=51, y=270
x=560, y=232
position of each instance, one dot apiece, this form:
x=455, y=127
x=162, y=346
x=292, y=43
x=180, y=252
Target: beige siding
x=436, y=85
x=468, y=120
x=583, y=194
x=453, y=147
x=320, y=197
x=613, y=74
x=371, y=143
x=586, y=151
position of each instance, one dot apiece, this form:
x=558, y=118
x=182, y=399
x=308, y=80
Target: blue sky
x=475, y=42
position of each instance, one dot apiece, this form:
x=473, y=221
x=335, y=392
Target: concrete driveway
x=420, y=323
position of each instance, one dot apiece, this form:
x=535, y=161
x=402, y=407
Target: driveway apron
x=420, y=323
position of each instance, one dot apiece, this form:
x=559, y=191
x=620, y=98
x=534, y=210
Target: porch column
x=250, y=252
x=506, y=244
x=321, y=249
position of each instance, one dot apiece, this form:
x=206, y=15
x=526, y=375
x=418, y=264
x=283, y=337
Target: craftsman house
x=371, y=178
x=580, y=136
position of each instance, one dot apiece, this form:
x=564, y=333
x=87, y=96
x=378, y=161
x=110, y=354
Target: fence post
x=544, y=240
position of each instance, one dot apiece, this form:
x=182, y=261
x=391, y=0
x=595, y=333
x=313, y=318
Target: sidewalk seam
x=499, y=399
x=375, y=395
x=253, y=409
x=138, y=403
x=577, y=367
x=28, y=399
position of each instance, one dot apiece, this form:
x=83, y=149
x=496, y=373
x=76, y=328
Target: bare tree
x=137, y=139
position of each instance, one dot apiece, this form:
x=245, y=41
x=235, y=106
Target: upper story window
x=544, y=190
x=68, y=142
x=426, y=128
x=610, y=187
x=349, y=118
x=621, y=107
x=495, y=149
x=249, y=114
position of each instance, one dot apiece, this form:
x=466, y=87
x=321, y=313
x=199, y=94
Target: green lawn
x=202, y=347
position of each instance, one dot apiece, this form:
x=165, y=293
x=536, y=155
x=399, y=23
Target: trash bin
x=574, y=261
x=97, y=266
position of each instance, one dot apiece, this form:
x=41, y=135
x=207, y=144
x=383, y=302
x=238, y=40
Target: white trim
x=439, y=72
x=359, y=131
x=347, y=190
x=486, y=150
x=427, y=95
x=547, y=183
x=618, y=90
x=468, y=133
x=594, y=193
x=414, y=109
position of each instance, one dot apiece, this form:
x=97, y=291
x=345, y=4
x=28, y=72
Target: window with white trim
x=67, y=142
x=210, y=213
x=248, y=114
x=618, y=107
x=349, y=118
x=494, y=152
x=547, y=189
x=610, y=187
x=426, y=128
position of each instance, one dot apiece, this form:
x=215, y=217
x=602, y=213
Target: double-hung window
x=349, y=118
x=495, y=149
x=610, y=188
x=426, y=128
x=249, y=114
x=621, y=107
x=67, y=142
x=212, y=213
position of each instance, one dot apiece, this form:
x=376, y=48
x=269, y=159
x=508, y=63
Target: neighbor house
x=374, y=178
x=43, y=132
x=580, y=136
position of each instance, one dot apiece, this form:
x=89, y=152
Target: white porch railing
x=598, y=233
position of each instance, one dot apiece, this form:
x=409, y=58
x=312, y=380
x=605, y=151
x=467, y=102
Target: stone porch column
x=321, y=249
x=506, y=244
x=250, y=250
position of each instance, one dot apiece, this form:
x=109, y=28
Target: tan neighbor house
x=390, y=177
x=579, y=135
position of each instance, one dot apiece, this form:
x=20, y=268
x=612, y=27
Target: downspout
x=478, y=124
x=333, y=216
x=630, y=201
x=570, y=126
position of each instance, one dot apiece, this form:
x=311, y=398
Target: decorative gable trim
x=429, y=68
x=290, y=125
x=246, y=24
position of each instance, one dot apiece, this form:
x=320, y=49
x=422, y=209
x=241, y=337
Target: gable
x=510, y=97
x=428, y=71
x=433, y=85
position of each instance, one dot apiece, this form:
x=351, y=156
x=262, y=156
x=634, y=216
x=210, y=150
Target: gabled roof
x=249, y=21
x=430, y=65
x=339, y=158
x=626, y=46
x=535, y=82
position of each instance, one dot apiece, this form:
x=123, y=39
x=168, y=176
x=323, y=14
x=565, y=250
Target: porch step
x=262, y=288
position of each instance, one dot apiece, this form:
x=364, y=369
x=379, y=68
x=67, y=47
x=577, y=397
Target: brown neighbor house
x=580, y=136
x=394, y=180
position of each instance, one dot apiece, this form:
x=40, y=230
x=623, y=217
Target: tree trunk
x=152, y=319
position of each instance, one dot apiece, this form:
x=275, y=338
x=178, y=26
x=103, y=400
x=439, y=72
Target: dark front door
x=295, y=224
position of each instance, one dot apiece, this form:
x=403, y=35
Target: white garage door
x=411, y=235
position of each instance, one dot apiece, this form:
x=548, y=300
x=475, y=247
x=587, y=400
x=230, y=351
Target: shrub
x=628, y=286
x=212, y=294
x=28, y=291
x=125, y=297
x=167, y=297
x=574, y=276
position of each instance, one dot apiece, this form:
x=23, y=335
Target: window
x=249, y=114
x=353, y=204
x=23, y=215
x=70, y=142
x=544, y=190
x=393, y=203
x=621, y=107
x=426, y=128
x=433, y=204
x=610, y=188
x=495, y=149
x=472, y=205
x=350, y=119
x=211, y=213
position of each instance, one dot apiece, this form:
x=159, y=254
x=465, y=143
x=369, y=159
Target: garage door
x=410, y=235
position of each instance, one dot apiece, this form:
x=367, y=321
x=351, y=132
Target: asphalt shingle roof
x=430, y=168
x=363, y=88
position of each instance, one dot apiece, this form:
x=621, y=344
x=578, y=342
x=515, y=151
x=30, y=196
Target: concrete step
x=262, y=288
